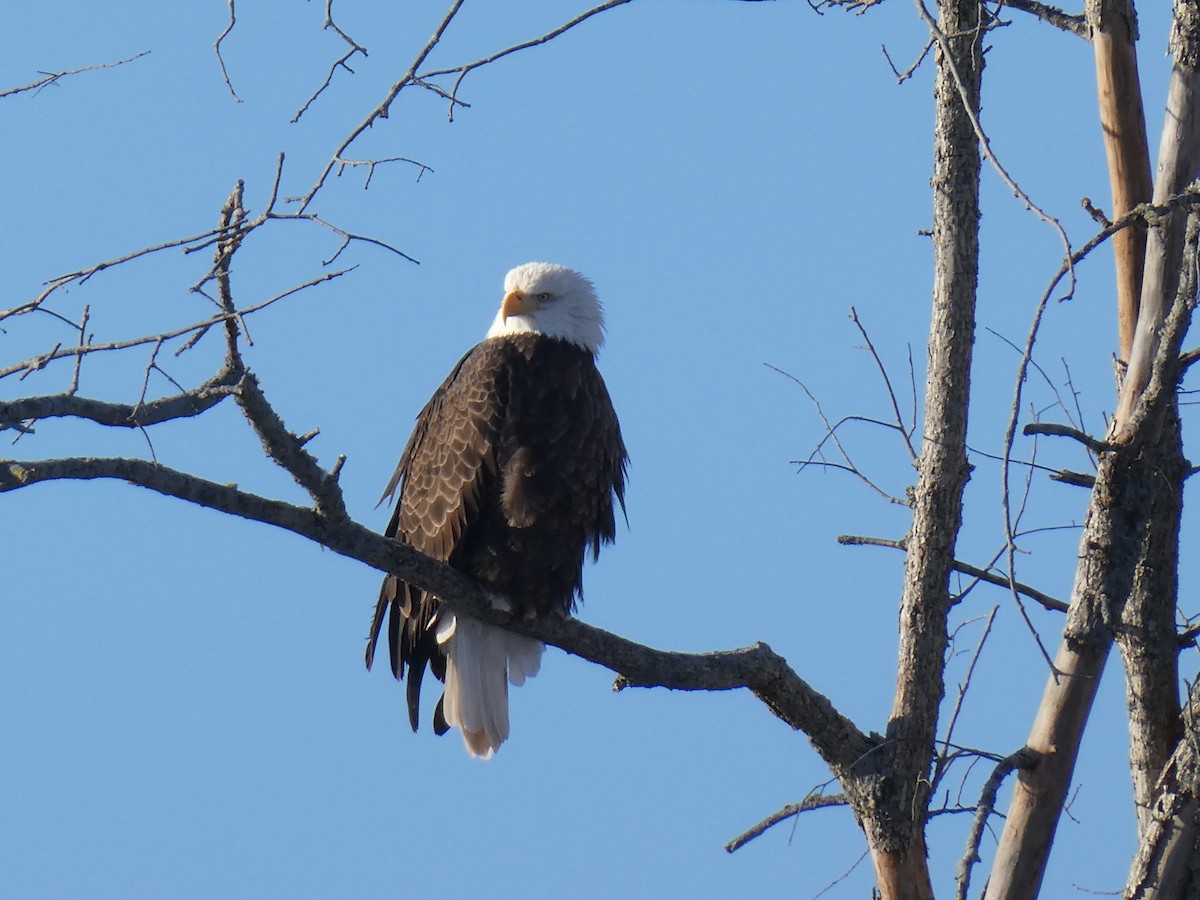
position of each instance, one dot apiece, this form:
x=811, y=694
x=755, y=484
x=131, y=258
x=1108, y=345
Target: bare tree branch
x=1056, y=430
x=49, y=78
x=1113, y=27
x=120, y=415
x=812, y=801
x=1120, y=515
x=831, y=434
x=464, y=70
x=1178, y=163
x=905, y=432
x=757, y=668
x=1052, y=15
x=217, y=49
x=381, y=111
x=852, y=540
x=414, y=77
x=83, y=275
x=986, y=806
x=341, y=62
x=945, y=759
x=896, y=833
x=197, y=329
x=985, y=146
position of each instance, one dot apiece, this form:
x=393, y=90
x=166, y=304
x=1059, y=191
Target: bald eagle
x=510, y=476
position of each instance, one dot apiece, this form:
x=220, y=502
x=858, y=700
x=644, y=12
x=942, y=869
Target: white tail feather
x=480, y=661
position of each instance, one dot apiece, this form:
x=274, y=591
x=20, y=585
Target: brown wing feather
x=444, y=470
x=510, y=475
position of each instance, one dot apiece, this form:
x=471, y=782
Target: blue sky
x=186, y=713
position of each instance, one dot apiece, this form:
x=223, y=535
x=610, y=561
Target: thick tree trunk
x=1147, y=633
x=1041, y=789
x=1130, y=536
x=1147, y=637
x=1167, y=860
x=895, y=818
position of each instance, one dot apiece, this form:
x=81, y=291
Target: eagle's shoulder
x=451, y=451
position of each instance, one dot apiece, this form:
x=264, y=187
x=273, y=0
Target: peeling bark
x=1113, y=26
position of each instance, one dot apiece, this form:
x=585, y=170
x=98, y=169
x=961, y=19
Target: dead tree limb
x=1116, y=531
x=1178, y=165
x=1113, y=25
x=757, y=668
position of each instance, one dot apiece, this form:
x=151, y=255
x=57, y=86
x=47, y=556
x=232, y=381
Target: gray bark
x=894, y=817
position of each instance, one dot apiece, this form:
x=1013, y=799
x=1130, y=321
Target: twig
x=812, y=801
x=831, y=434
x=83, y=275
x=372, y=163
x=902, y=77
x=150, y=366
x=329, y=23
x=347, y=238
x=942, y=764
x=54, y=77
x=1096, y=213
x=1036, y=366
x=1188, y=638
x=381, y=111
x=217, y=48
x=83, y=341
x=1079, y=479
x=59, y=352
x=1075, y=399
x=340, y=62
x=1050, y=603
x=995, y=457
x=1056, y=430
x=549, y=36
x=984, y=143
x=906, y=433
x=1023, y=758
x=1076, y=25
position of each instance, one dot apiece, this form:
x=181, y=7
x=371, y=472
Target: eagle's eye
x=544, y=297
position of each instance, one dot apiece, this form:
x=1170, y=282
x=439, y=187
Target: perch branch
x=757, y=668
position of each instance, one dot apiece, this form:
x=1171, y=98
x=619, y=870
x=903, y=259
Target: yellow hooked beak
x=516, y=303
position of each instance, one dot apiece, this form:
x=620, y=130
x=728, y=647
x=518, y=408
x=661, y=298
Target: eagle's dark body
x=510, y=476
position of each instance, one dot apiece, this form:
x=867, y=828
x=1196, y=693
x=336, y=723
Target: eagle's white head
x=553, y=300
